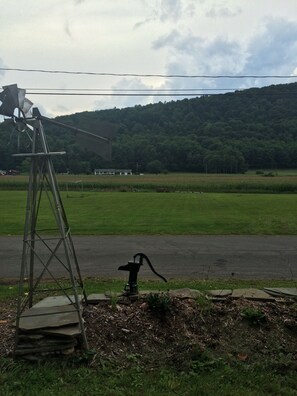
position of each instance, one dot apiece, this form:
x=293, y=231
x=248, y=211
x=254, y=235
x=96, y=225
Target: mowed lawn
x=126, y=213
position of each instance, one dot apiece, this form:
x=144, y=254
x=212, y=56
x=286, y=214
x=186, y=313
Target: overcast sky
x=143, y=37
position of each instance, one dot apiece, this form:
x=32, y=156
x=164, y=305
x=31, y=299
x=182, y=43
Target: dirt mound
x=162, y=330
x=177, y=331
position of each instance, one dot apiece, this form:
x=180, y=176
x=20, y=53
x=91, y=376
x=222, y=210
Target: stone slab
x=64, y=331
x=185, y=293
x=282, y=291
x=41, y=349
x=252, y=294
x=111, y=294
x=220, y=293
x=95, y=298
x=38, y=318
x=56, y=301
x=146, y=292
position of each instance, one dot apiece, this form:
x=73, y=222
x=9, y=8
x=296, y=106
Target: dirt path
x=244, y=257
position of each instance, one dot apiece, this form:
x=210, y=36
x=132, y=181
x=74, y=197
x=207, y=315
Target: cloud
x=274, y=49
x=67, y=29
x=125, y=101
x=168, y=11
x=271, y=51
x=225, y=12
x=199, y=55
x=174, y=39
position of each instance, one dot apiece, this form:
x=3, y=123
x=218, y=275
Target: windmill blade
x=27, y=106
x=13, y=98
x=9, y=99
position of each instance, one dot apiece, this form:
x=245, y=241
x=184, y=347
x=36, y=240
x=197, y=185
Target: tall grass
x=247, y=183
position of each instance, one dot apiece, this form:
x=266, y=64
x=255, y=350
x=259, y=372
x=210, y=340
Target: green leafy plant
x=254, y=316
x=203, y=361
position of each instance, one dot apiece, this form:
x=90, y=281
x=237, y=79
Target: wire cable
x=184, y=94
x=132, y=90
x=229, y=76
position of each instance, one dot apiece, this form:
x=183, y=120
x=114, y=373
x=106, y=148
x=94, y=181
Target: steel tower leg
x=43, y=184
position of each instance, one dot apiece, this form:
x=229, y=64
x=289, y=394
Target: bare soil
x=181, y=331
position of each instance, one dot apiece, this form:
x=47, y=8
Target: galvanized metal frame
x=42, y=181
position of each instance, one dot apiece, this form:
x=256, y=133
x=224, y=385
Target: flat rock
x=146, y=292
x=56, y=301
x=185, y=293
x=38, y=318
x=95, y=298
x=64, y=331
x=41, y=349
x=252, y=294
x=219, y=293
x=111, y=294
x=281, y=291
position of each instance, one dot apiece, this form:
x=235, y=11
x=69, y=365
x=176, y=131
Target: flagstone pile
x=49, y=327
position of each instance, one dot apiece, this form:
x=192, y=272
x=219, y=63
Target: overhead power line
x=229, y=76
x=115, y=94
x=184, y=94
x=131, y=90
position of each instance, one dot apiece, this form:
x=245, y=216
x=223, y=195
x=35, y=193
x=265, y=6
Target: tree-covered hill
x=254, y=128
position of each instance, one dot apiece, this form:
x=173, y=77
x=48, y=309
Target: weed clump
x=159, y=303
x=204, y=304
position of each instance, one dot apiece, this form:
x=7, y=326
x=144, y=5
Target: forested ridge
x=228, y=133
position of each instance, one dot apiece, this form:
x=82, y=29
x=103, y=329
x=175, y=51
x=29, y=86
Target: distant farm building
x=124, y=172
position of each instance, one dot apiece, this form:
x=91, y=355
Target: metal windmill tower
x=48, y=249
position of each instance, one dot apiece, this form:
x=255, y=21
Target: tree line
x=226, y=133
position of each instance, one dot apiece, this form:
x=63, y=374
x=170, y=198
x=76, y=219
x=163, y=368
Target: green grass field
x=114, y=213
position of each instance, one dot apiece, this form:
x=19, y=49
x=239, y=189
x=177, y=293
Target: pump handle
x=144, y=256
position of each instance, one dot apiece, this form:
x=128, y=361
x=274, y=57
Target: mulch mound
x=180, y=330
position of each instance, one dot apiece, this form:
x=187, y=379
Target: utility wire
x=234, y=94
x=146, y=75
x=114, y=94
x=131, y=90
